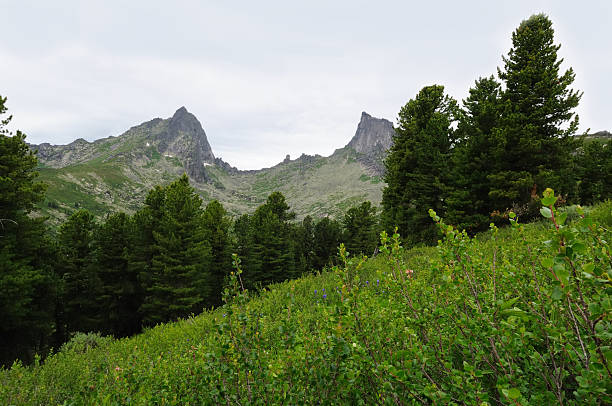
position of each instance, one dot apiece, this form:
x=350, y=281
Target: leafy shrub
x=80, y=343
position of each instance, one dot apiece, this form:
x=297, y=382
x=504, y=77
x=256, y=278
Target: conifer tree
x=359, y=229
x=594, y=170
x=120, y=294
x=270, y=252
x=473, y=158
x=417, y=164
x=535, y=134
x=179, y=281
x=327, y=238
x=303, y=238
x=27, y=283
x=81, y=284
x=216, y=223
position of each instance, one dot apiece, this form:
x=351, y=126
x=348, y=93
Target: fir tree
x=473, y=159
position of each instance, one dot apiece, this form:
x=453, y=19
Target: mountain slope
x=115, y=173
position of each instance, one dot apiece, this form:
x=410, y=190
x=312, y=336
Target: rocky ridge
x=116, y=173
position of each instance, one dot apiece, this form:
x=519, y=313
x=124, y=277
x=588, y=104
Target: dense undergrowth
x=519, y=315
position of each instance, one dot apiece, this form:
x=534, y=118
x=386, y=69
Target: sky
x=270, y=78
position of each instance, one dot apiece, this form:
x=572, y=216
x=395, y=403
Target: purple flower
x=324, y=296
x=367, y=282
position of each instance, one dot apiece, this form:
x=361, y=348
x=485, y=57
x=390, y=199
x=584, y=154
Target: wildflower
x=324, y=296
x=315, y=291
x=377, y=281
x=117, y=368
x=409, y=272
x=367, y=282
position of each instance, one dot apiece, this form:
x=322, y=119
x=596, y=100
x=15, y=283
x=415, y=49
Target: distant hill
x=115, y=173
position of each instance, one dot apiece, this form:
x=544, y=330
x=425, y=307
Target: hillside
x=499, y=319
x=115, y=173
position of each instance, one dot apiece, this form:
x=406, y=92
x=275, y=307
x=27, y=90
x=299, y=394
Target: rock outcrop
x=372, y=140
x=185, y=139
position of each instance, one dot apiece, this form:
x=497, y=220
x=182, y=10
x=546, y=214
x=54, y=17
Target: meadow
x=518, y=315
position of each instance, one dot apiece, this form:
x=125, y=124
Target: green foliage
x=537, y=122
x=501, y=319
x=360, y=234
x=594, y=170
x=417, y=165
x=327, y=236
x=268, y=250
x=473, y=159
x=217, y=223
x=120, y=295
x=27, y=291
x=178, y=281
x=81, y=285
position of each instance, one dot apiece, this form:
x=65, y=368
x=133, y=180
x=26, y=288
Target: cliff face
x=372, y=140
x=185, y=139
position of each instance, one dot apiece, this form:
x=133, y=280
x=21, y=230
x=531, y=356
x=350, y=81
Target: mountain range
x=116, y=173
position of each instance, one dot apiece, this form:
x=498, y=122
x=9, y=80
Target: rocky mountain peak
x=373, y=135
x=185, y=139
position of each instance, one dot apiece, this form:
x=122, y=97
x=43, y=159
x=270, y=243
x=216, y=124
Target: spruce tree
x=535, y=134
x=417, y=164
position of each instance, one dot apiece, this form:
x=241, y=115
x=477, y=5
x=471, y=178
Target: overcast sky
x=270, y=78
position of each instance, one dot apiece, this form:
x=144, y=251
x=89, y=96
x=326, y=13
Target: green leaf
x=579, y=247
x=514, y=393
x=547, y=262
x=545, y=211
x=509, y=303
x=549, y=200
x=557, y=293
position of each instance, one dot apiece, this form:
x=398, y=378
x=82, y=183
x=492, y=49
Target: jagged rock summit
x=372, y=140
x=185, y=138
x=373, y=135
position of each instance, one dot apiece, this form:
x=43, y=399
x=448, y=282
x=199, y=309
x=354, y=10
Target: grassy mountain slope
x=116, y=173
x=480, y=321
